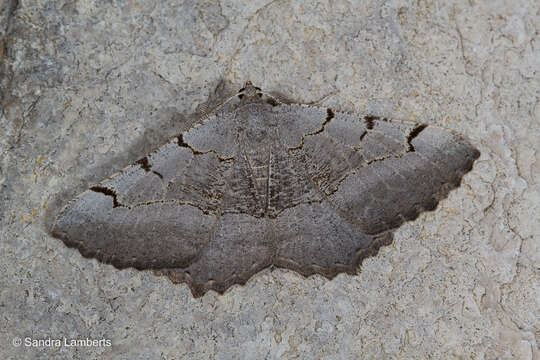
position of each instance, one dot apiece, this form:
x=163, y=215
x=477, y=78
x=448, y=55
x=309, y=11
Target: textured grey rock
x=89, y=87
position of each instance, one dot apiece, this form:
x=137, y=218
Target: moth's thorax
x=256, y=123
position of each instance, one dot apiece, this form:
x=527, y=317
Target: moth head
x=250, y=92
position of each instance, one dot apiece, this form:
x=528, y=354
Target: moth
x=266, y=184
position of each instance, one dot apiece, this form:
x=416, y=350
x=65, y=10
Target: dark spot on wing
x=370, y=121
x=144, y=163
x=363, y=135
x=182, y=143
x=330, y=114
x=106, y=191
x=414, y=133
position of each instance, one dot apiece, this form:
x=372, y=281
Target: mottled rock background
x=88, y=87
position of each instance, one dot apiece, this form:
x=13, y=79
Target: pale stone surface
x=87, y=87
